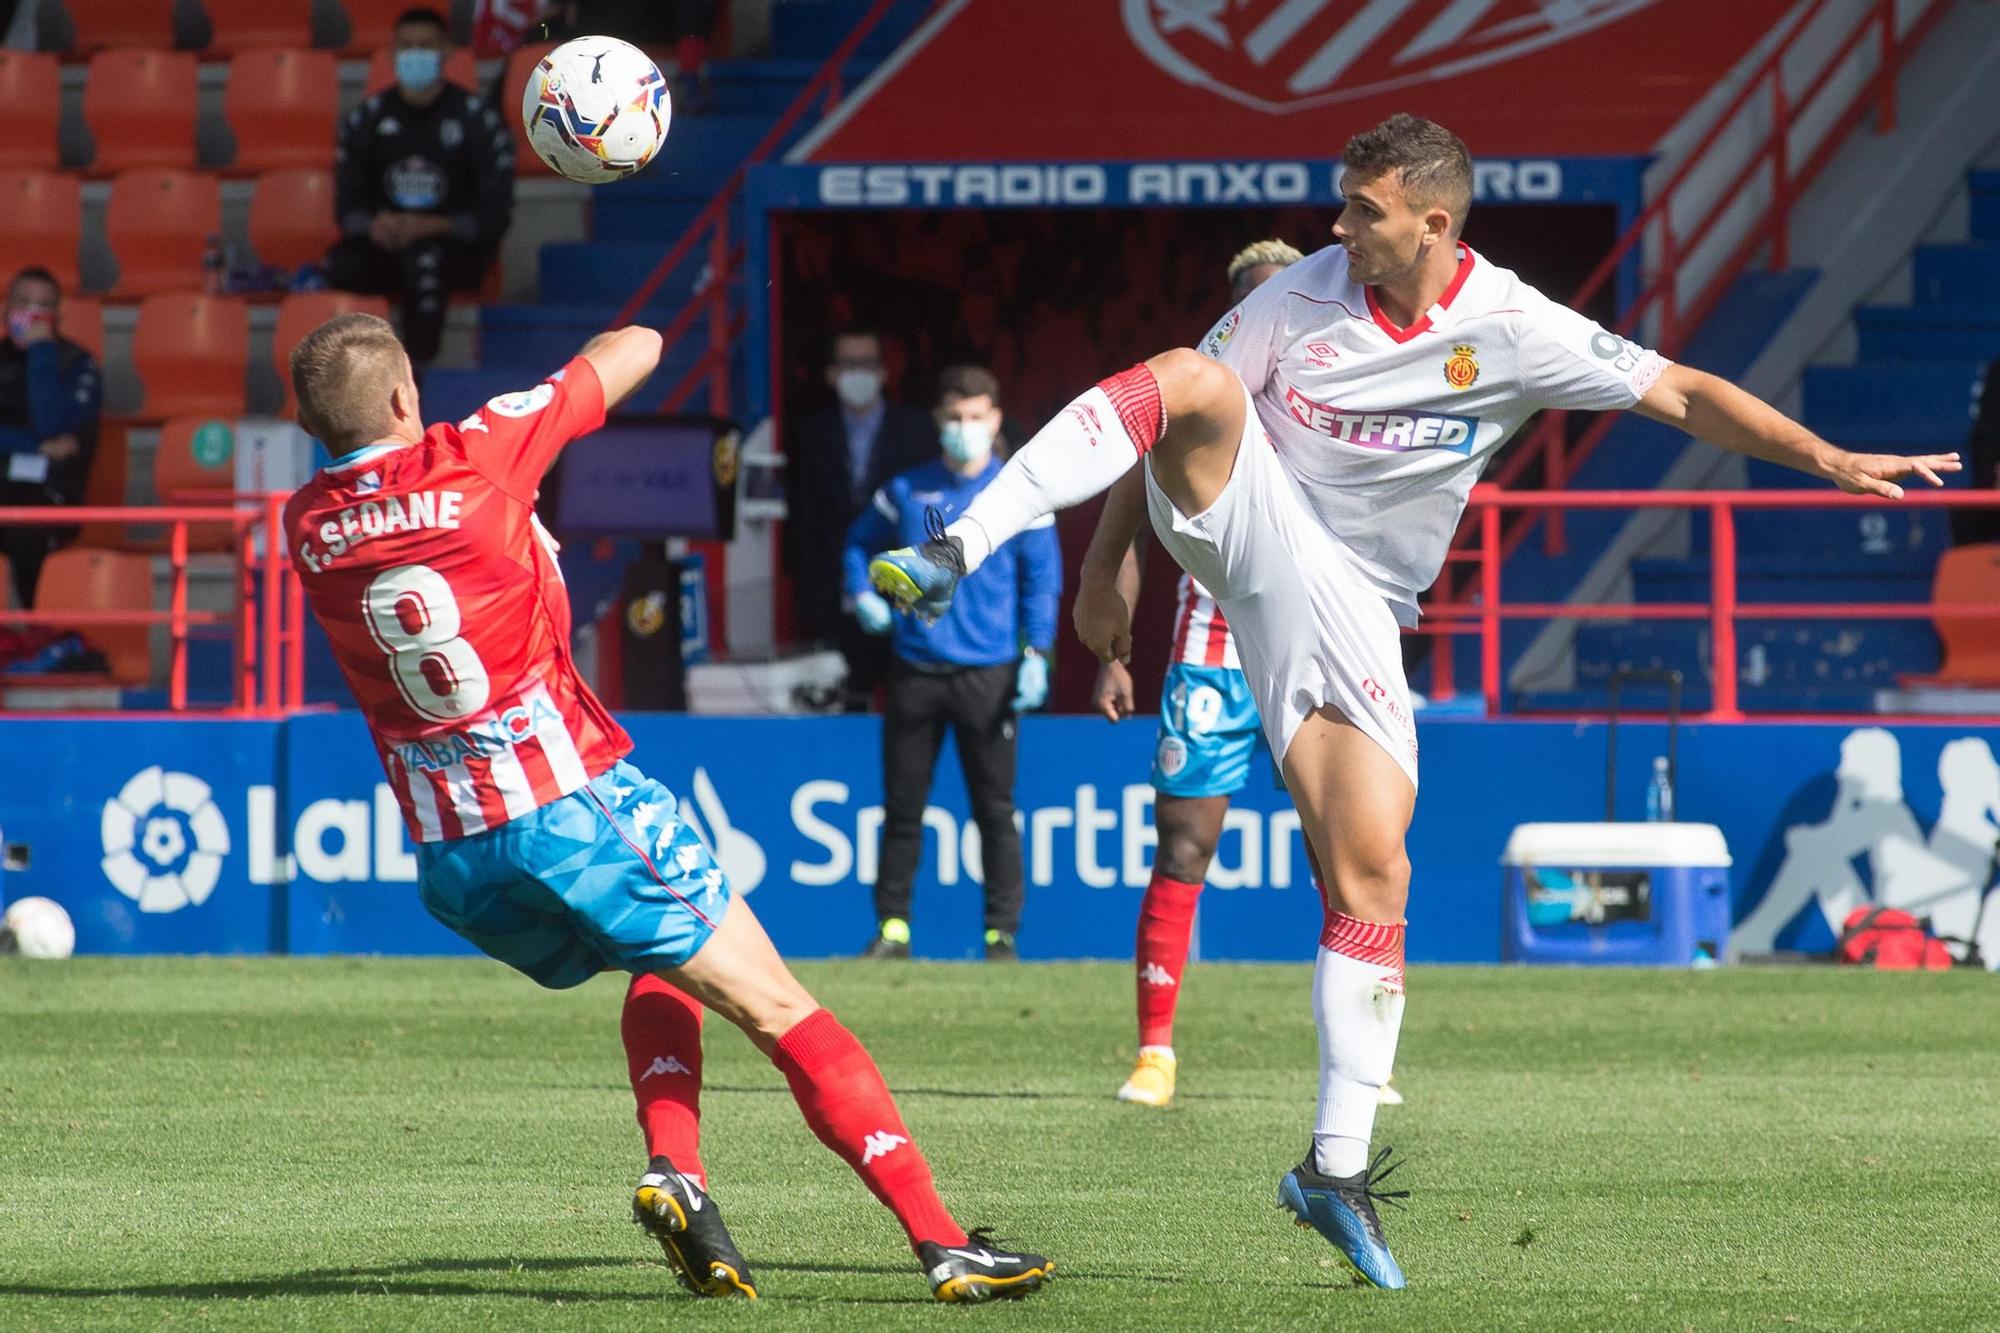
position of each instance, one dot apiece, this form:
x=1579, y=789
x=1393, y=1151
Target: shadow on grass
x=385, y=1279
x=419, y=1277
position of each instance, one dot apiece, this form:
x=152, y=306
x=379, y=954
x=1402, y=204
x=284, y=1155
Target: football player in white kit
x=1309, y=465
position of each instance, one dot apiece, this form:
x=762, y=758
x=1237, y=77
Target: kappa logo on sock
x=665, y=1064
x=880, y=1144
x=1155, y=975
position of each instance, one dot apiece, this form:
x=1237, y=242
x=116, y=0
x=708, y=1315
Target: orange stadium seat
x=300, y=314
x=282, y=105
x=102, y=23
x=1971, y=643
x=520, y=64
x=105, y=483
x=191, y=466
x=371, y=24
x=140, y=107
x=191, y=352
x=239, y=25
x=291, y=216
x=85, y=578
x=158, y=226
x=459, y=68
x=31, y=108
x=83, y=324
x=41, y=217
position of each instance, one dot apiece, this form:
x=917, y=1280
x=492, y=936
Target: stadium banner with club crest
x=282, y=837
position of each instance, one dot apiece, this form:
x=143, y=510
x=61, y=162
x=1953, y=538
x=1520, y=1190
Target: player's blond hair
x=342, y=374
x=1430, y=162
x=1259, y=253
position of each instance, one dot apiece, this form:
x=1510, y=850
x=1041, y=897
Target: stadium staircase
x=1910, y=387
x=585, y=285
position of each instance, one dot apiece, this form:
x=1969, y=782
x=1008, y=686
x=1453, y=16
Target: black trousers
x=977, y=702
x=421, y=277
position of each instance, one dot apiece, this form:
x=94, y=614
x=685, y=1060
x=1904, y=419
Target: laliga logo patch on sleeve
x=1219, y=336
x=527, y=402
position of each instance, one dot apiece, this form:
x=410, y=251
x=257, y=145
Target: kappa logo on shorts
x=1290, y=55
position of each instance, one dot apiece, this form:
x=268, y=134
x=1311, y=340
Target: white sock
x=1086, y=448
x=1358, y=1006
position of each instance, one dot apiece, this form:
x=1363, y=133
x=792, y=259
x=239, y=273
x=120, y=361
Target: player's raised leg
x=1355, y=803
x=1183, y=409
x=739, y=974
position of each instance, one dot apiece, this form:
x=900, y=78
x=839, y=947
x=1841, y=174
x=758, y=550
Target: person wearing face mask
x=975, y=668
x=834, y=461
x=423, y=188
x=50, y=392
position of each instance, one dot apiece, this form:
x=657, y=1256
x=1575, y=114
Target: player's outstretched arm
x=1711, y=408
x=622, y=358
x=1108, y=581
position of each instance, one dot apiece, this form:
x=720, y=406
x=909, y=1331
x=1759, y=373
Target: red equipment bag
x=1890, y=941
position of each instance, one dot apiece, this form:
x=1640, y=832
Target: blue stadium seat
x=1948, y=274
x=1894, y=404
x=1939, y=332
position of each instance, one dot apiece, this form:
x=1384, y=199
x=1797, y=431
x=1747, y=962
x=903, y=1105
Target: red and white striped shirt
x=1201, y=635
x=441, y=596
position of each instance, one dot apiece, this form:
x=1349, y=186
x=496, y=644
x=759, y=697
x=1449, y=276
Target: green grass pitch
x=398, y=1144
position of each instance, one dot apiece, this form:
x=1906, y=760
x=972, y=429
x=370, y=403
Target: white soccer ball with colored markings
x=596, y=109
x=37, y=928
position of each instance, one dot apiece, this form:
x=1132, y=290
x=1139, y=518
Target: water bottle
x=1660, y=793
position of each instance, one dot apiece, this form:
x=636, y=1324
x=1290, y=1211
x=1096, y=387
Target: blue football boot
x=920, y=580
x=1342, y=1209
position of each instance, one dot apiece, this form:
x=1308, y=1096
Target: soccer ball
x=596, y=109
x=37, y=928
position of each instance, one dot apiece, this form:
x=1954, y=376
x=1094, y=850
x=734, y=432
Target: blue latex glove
x=1031, y=682
x=873, y=613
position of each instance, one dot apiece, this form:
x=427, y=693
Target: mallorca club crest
x=1461, y=368
x=1290, y=55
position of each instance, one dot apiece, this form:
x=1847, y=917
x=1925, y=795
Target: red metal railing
x=1484, y=616
x=725, y=255
x=267, y=621
x=1773, y=112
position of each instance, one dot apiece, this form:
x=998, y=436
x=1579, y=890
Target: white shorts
x=1309, y=630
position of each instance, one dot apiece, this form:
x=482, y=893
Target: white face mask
x=858, y=389
x=966, y=442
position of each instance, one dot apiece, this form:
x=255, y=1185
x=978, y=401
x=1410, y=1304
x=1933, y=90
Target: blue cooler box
x=1628, y=894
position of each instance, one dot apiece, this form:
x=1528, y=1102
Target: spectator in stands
x=424, y=188
x=50, y=392
x=834, y=461
x=980, y=664
x=1982, y=466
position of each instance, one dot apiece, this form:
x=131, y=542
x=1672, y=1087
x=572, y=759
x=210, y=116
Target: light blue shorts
x=1208, y=731
x=607, y=877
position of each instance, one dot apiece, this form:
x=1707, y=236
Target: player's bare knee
x=1191, y=385
x=1373, y=884
x=1183, y=856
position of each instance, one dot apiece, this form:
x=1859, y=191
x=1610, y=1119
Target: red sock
x=1135, y=396
x=662, y=1031
x=850, y=1109
x=1166, y=919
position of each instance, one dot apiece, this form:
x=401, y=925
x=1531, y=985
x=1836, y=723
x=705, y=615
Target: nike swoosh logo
x=694, y=1195
x=977, y=1256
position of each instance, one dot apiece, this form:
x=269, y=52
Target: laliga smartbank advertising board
x=252, y=837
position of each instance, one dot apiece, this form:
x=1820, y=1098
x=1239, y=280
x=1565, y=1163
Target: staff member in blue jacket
x=49, y=397
x=977, y=667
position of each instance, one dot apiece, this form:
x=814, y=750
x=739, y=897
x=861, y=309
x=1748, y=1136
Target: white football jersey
x=1386, y=429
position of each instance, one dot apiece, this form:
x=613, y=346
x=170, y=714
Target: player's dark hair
x=968, y=382
x=1429, y=160
x=33, y=273
x=423, y=14
x=855, y=331
x=342, y=374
